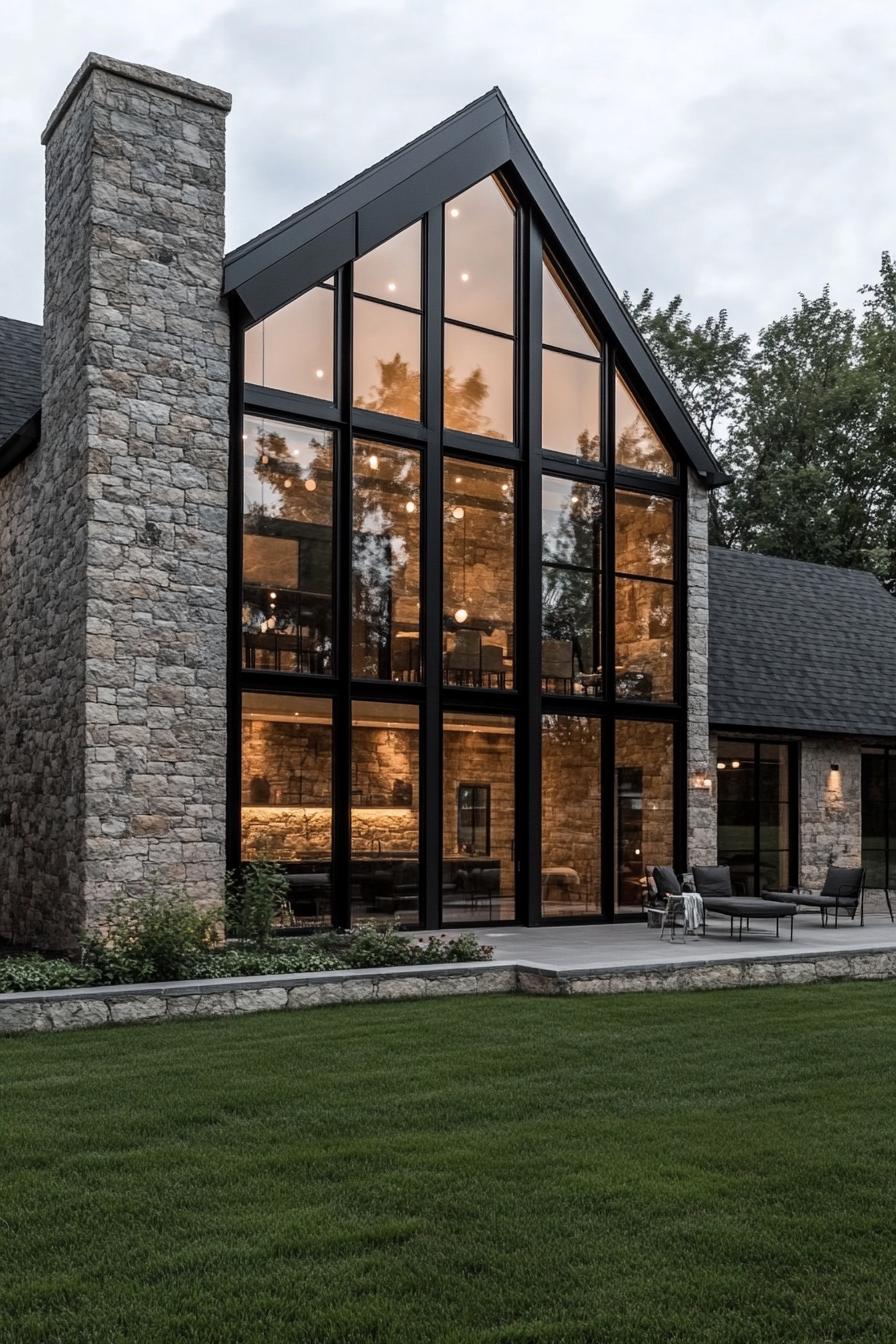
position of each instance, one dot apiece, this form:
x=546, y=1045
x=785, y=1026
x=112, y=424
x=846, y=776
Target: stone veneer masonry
x=114, y=533
x=702, y=831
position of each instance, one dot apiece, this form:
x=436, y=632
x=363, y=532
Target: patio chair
x=719, y=898
x=843, y=887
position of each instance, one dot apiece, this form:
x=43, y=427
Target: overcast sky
x=737, y=151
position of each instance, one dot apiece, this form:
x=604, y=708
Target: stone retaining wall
x=66, y=1009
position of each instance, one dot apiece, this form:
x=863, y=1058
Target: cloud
x=737, y=154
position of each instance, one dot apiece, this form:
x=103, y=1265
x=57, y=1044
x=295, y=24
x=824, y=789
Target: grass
x=696, y=1167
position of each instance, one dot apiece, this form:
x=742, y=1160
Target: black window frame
x=526, y=702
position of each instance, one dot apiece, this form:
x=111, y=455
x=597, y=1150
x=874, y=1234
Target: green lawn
x=684, y=1167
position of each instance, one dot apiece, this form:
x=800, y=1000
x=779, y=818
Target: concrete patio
x=634, y=947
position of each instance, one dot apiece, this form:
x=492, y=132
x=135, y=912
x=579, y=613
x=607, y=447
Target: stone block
x=402, y=987
x=259, y=1000
x=68, y=1014
x=146, y=1008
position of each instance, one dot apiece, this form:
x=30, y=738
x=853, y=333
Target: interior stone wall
x=570, y=808
x=477, y=756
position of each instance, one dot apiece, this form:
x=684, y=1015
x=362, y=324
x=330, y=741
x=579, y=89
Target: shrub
x=33, y=972
x=254, y=898
x=254, y=961
x=154, y=936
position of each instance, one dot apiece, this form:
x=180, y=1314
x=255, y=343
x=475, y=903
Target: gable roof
x=798, y=647
x=20, y=359
x=482, y=138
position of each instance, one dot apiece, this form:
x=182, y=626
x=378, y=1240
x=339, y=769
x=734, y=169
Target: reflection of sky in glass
x=479, y=236
x=306, y=449
x=561, y=324
x=386, y=360
x=292, y=350
x=392, y=270
x=570, y=400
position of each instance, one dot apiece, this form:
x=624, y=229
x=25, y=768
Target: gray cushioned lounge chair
x=714, y=885
x=844, y=888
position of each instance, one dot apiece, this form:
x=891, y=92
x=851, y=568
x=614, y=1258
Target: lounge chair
x=715, y=886
x=843, y=887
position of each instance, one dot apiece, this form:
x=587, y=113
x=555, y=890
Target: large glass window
x=570, y=391
x=645, y=596
x=754, y=815
x=286, y=796
x=287, y=615
x=879, y=818
x=644, y=806
x=478, y=575
x=571, y=539
x=637, y=443
x=478, y=825
x=479, y=311
x=385, y=864
x=570, y=816
x=292, y=350
x=386, y=327
x=386, y=562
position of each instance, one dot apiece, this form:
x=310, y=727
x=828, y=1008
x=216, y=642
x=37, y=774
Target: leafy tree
x=805, y=423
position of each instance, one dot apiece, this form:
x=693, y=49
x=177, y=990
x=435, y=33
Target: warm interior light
x=454, y=212
x=272, y=595
x=464, y=277
x=457, y=512
x=735, y=765
x=461, y=615
x=264, y=459
x=391, y=286
x=457, y=480
x=318, y=373
x=410, y=507
x=311, y=484
x=287, y=484
x=720, y=765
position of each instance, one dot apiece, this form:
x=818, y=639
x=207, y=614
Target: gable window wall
x=458, y=680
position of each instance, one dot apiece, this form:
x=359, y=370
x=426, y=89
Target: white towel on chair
x=692, y=910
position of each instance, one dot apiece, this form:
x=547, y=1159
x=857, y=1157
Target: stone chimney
x=120, y=677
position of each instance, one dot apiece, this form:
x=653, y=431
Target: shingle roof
x=20, y=356
x=800, y=647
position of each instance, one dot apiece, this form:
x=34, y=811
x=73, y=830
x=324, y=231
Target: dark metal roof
x=20, y=356
x=798, y=647
x=482, y=138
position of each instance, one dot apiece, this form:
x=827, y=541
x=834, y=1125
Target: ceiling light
x=454, y=212
x=457, y=512
x=457, y=480
x=391, y=286
x=318, y=373
x=311, y=484
x=287, y=484
x=373, y=460
x=264, y=459
x=410, y=507
x=461, y=615
x=272, y=595
x=464, y=276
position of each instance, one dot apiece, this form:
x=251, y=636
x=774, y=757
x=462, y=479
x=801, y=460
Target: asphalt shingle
x=800, y=647
x=20, y=357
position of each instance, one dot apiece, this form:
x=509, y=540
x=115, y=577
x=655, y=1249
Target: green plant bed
x=708, y=1168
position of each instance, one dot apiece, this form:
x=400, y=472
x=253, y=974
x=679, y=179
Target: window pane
x=570, y=816
x=287, y=765
x=644, y=772
x=386, y=360
x=572, y=522
x=386, y=562
x=736, y=785
x=644, y=639
x=637, y=442
x=478, y=575
x=644, y=535
x=570, y=405
x=385, y=866
x=479, y=247
x=561, y=322
x=287, y=547
x=392, y=270
x=478, y=383
x=292, y=350
x=874, y=818
x=478, y=818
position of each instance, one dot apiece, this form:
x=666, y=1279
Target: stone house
x=379, y=546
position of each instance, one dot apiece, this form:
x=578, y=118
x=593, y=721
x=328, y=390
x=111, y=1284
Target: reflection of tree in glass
x=286, y=476
x=464, y=403
x=589, y=446
x=398, y=391
x=383, y=536
x=637, y=446
x=570, y=559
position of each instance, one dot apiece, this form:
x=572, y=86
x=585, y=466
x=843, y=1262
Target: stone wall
x=701, y=753
x=116, y=758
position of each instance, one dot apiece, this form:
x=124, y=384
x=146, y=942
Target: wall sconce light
x=702, y=780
